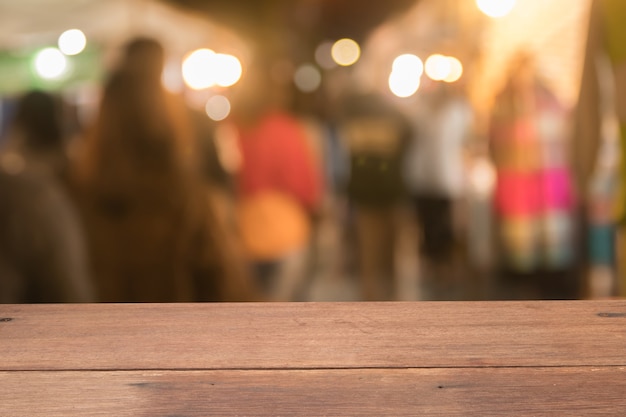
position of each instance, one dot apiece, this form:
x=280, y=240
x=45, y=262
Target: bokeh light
x=323, y=55
x=227, y=70
x=217, y=108
x=408, y=63
x=346, y=52
x=456, y=70
x=406, y=72
x=50, y=63
x=203, y=68
x=307, y=78
x=403, y=84
x=72, y=42
x=437, y=67
x=495, y=8
x=197, y=68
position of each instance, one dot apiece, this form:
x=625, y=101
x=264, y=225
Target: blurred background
x=311, y=150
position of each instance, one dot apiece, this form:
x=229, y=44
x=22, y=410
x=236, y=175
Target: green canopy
x=17, y=72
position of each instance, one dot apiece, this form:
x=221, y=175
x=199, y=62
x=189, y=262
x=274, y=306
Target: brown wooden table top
x=314, y=359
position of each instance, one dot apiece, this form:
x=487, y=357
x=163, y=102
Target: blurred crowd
x=127, y=217
x=154, y=202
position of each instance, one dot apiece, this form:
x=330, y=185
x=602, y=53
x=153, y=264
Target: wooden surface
x=314, y=359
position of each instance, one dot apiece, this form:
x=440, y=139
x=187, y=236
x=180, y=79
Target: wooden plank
x=364, y=392
x=312, y=335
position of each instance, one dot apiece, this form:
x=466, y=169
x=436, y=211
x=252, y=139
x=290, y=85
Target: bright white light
x=227, y=70
x=495, y=8
x=198, y=69
x=72, y=42
x=50, y=63
x=437, y=67
x=456, y=70
x=408, y=63
x=323, y=55
x=307, y=78
x=204, y=68
x=404, y=80
x=403, y=84
x=345, y=52
x=217, y=108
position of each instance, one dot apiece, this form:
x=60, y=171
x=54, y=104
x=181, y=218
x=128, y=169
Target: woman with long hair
x=154, y=235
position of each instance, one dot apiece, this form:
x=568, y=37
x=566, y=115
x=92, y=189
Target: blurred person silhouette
x=37, y=136
x=600, y=147
x=376, y=134
x=42, y=245
x=330, y=252
x=154, y=234
x=534, y=196
x=214, y=150
x=278, y=181
x=435, y=175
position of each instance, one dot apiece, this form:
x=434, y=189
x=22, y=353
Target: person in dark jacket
x=376, y=134
x=42, y=251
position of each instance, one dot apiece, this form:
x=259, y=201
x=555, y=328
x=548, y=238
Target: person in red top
x=276, y=156
x=279, y=184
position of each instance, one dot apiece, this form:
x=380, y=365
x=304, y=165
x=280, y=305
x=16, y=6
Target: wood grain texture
x=579, y=391
x=312, y=335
